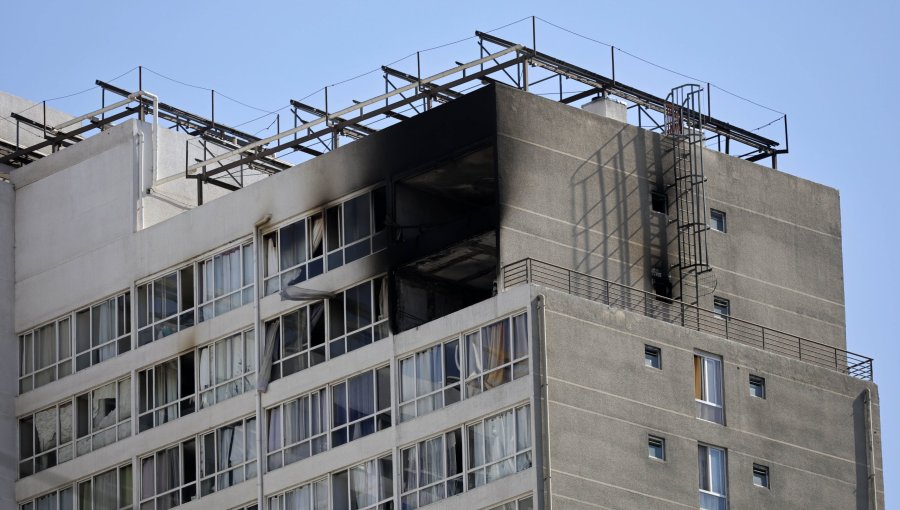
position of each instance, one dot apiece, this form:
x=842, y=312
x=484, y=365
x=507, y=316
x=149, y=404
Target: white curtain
x=106, y=490
x=495, y=351
x=274, y=434
x=206, y=399
x=271, y=255
x=431, y=460
x=166, y=389
x=296, y=420
x=265, y=367
x=318, y=233
x=500, y=442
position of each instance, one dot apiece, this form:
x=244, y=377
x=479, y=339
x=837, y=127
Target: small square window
x=721, y=307
x=757, y=386
x=652, y=357
x=658, y=202
x=656, y=447
x=717, y=220
x=761, y=475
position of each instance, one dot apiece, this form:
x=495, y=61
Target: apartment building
x=504, y=301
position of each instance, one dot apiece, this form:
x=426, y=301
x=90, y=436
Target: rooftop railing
x=689, y=316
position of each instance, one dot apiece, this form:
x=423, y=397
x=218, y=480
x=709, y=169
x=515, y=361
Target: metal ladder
x=684, y=139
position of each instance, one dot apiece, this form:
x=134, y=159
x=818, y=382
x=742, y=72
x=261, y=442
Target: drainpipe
x=142, y=190
x=146, y=175
x=870, y=446
x=540, y=416
x=260, y=348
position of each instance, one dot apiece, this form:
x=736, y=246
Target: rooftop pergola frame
x=316, y=130
x=502, y=62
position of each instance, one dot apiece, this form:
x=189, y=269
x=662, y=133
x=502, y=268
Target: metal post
x=45, y=119
x=612, y=52
x=763, y=338
x=533, y=35
x=141, y=87
x=102, y=102
x=212, y=107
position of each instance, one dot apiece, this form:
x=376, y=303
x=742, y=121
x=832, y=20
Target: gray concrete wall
x=603, y=402
x=31, y=110
x=8, y=362
x=575, y=191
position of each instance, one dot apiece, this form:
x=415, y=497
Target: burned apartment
x=499, y=301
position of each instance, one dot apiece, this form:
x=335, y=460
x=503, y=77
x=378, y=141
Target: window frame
x=710, y=397
x=763, y=474
x=757, y=382
x=185, y=489
x=384, y=472
x=313, y=488
x=184, y=402
x=224, y=300
x=659, y=443
x=652, y=357
x=381, y=415
x=72, y=492
x=443, y=393
x=445, y=483
x=516, y=366
x=239, y=384
x=315, y=442
x=212, y=482
x=719, y=499
x=718, y=218
x=150, y=328
x=479, y=474
x=722, y=307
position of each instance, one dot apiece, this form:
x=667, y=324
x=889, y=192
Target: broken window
x=227, y=456
x=103, y=416
x=298, y=429
x=108, y=490
x=166, y=391
x=225, y=281
x=361, y=405
x=165, y=305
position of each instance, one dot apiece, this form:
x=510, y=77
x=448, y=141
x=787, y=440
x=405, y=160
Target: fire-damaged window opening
x=445, y=221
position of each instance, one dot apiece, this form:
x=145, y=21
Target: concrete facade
x=469, y=187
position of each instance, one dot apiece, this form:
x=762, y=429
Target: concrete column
x=8, y=364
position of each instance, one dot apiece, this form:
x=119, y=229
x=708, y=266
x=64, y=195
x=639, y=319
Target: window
x=652, y=357
x=361, y=405
x=169, y=476
x=761, y=475
x=45, y=354
x=713, y=478
x=110, y=490
x=298, y=429
x=227, y=368
x=90, y=420
x=225, y=281
x=526, y=503
x=708, y=388
x=102, y=331
x=357, y=317
x=429, y=380
x=496, y=354
x=165, y=305
x=103, y=416
x=352, y=319
x=717, y=220
x=355, y=228
x=365, y=486
x=166, y=391
x=299, y=340
x=721, y=307
x=294, y=253
x=312, y=496
x=432, y=470
x=757, y=386
x=658, y=202
x=227, y=456
x=499, y=446
x=94, y=334
x=656, y=447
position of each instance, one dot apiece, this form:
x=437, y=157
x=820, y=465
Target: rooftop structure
x=500, y=300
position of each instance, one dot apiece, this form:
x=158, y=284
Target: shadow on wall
x=617, y=236
x=861, y=452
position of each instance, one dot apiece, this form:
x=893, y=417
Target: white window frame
x=183, y=492
x=487, y=471
x=151, y=329
x=242, y=470
x=315, y=495
x=710, y=499
x=515, y=366
x=380, y=376
x=658, y=442
x=416, y=402
x=214, y=300
x=278, y=450
x=711, y=397
x=383, y=474
x=423, y=492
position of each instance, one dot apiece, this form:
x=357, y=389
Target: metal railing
x=689, y=316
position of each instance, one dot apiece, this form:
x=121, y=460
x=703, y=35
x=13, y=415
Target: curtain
x=520, y=336
x=274, y=433
x=271, y=248
x=298, y=499
x=166, y=382
x=360, y=397
x=45, y=346
x=494, y=349
x=296, y=420
x=500, y=442
x=103, y=407
x=45, y=429
x=147, y=471
x=316, y=236
x=409, y=463
x=431, y=460
x=106, y=490
x=382, y=299
x=407, y=379
x=206, y=399
x=293, y=244
x=265, y=368
x=426, y=375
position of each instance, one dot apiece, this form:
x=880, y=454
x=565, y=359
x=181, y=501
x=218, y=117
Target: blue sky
x=831, y=66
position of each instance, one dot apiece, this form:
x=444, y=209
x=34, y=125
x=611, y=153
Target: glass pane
x=293, y=244
x=103, y=406
x=356, y=219
x=333, y=228
x=359, y=306
x=65, y=423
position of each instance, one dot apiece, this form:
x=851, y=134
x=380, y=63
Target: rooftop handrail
x=673, y=311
